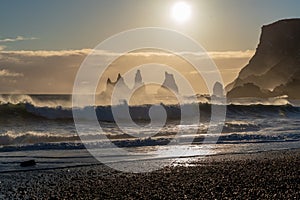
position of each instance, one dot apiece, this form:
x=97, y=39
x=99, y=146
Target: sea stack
x=170, y=83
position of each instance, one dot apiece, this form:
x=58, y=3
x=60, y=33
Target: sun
x=181, y=11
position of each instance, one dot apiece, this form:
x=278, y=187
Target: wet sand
x=266, y=175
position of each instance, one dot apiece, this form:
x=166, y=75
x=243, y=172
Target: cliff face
x=275, y=68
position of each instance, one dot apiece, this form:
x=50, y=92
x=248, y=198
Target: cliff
x=275, y=68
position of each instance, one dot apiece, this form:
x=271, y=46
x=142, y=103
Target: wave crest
x=104, y=113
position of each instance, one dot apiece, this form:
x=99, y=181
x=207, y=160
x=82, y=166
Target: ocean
x=41, y=127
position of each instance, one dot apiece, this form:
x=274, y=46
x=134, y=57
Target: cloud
x=231, y=54
x=61, y=53
x=39, y=71
x=212, y=54
x=7, y=73
x=18, y=38
x=221, y=54
x=55, y=71
x=84, y=52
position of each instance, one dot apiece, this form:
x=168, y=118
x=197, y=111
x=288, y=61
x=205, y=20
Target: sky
x=42, y=43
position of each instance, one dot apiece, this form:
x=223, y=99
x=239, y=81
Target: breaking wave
x=57, y=107
x=12, y=138
x=104, y=113
x=48, y=142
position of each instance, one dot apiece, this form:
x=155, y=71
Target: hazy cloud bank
x=54, y=71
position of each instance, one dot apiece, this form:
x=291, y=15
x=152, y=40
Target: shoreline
x=267, y=175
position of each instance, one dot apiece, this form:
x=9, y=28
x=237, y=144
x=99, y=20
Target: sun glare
x=181, y=11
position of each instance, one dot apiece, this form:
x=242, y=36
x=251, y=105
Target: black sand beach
x=267, y=175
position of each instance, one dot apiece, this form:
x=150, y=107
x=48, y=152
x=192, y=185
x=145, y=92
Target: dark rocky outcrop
x=138, y=91
x=218, y=90
x=275, y=68
x=138, y=80
x=28, y=163
x=169, y=83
